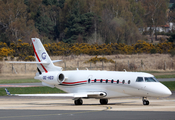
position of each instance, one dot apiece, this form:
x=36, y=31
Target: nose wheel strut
x=145, y=101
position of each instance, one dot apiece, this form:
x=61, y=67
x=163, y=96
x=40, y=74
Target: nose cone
x=165, y=92
x=158, y=90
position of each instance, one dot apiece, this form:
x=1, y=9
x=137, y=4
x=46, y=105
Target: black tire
x=145, y=102
x=103, y=101
x=78, y=102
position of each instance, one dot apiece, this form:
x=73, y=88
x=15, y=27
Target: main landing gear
x=145, y=101
x=78, y=101
x=103, y=101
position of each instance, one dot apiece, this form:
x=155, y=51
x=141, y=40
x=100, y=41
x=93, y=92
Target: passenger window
x=123, y=81
x=112, y=81
x=95, y=80
x=117, y=81
x=106, y=80
x=129, y=82
x=139, y=79
x=101, y=80
x=89, y=80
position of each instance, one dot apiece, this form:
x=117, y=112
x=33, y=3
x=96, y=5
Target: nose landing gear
x=145, y=101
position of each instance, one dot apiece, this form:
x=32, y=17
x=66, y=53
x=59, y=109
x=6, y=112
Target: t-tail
x=43, y=61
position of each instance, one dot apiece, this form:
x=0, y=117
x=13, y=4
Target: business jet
x=83, y=84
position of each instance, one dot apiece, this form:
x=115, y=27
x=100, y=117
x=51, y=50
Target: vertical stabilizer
x=42, y=56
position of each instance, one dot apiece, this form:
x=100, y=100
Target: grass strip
x=165, y=76
x=31, y=90
x=19, y=81
x=170, y=85
x=157, y=71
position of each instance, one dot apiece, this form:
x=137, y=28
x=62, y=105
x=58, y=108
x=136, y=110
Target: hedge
x=24, y=50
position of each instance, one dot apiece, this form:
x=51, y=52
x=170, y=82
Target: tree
x=137, y=12
x=45, y=26
x=118, y=23
x=14, y=20
x=61, y=3
x=171, y=14
x=50, y=2
x=79, y=26
x=155, y=14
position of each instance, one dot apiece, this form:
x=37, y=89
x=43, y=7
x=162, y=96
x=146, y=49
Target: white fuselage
x=114, y=84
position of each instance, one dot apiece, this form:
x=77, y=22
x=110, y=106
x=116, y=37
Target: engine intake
x=61, y=78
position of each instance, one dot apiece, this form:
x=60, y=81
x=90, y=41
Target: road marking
x=108, y=107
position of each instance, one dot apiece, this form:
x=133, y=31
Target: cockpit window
x=150, y=79
x=139, y=79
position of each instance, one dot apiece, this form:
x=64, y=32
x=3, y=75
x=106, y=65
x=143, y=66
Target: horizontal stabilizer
x=33, y=62
x=54, y=61
x=42, y=62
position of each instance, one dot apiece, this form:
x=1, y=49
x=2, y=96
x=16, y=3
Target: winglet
x=7, y=92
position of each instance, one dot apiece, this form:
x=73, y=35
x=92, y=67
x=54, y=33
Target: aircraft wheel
x=103, y=101
x=78, y=102
x=145, y=102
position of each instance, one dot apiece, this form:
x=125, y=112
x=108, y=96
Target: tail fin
x=45, y=63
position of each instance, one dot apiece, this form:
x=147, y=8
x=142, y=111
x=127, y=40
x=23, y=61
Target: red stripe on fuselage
x=38, y=58
x=70, y=83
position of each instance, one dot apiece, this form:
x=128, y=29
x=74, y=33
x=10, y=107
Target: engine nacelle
x=53, y=78
x=61, y=78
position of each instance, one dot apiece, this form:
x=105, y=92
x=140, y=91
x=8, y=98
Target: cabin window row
x=107, y=81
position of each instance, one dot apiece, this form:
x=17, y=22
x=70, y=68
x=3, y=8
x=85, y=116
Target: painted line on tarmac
x=108, y=107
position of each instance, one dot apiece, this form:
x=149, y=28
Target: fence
x=9, y=68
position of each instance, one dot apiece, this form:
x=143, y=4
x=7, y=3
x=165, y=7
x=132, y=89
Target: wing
x=69, y=95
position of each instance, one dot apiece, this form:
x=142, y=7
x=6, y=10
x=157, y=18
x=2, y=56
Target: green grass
x=150, y=72
x=30, y=90
x=165, y=76
x=170, y=85
x=19, y=81
x=157, y=71
x=171, y=74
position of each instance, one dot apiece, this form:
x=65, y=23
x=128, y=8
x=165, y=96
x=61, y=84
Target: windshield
x=150, y=79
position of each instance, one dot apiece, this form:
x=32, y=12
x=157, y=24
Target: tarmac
x=44, y=108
